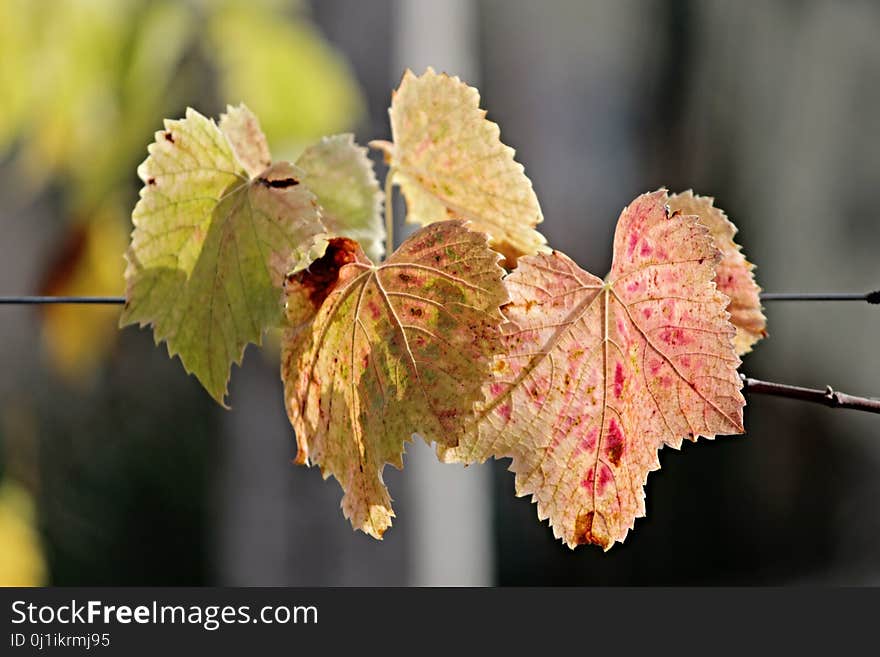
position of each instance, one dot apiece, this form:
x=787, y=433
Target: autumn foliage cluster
x=472, y=334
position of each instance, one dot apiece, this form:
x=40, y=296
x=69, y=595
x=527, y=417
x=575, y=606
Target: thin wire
x=41, y=300
x=870, y=297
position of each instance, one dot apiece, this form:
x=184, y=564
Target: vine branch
x=828, y=397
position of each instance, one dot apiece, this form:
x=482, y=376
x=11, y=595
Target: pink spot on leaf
x=614, y=442
x=631, y=247
x=605, y=477
x=619, y=378
x=674, y=337
x=588, y=443
x=587, y=482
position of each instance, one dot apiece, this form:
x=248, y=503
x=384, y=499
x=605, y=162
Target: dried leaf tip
x=735, y=277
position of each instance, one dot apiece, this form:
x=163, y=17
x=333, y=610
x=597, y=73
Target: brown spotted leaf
x=395, y=349
x=450, y=163
x=734, y=274
x=598, y=375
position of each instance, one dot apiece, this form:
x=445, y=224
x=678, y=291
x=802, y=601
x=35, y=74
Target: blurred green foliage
x=285, y=73
x=86, y=82
x=83, y=86
x=21, y=560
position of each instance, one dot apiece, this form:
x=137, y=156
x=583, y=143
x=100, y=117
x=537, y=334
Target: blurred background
x=117, y=468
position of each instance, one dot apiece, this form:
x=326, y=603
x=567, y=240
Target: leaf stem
x=828, y=397
x=389, y=213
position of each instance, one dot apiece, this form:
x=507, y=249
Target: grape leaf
x=335, y=169
x=734, y=274
x=339, y=172
x=211, y=247
x=395, y=348
x=248, y=142
x=449, y=162
x=598, y=375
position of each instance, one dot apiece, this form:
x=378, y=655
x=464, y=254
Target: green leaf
x=211, y=247
x=339, y=172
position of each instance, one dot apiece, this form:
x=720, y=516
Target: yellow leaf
x=449, y=162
